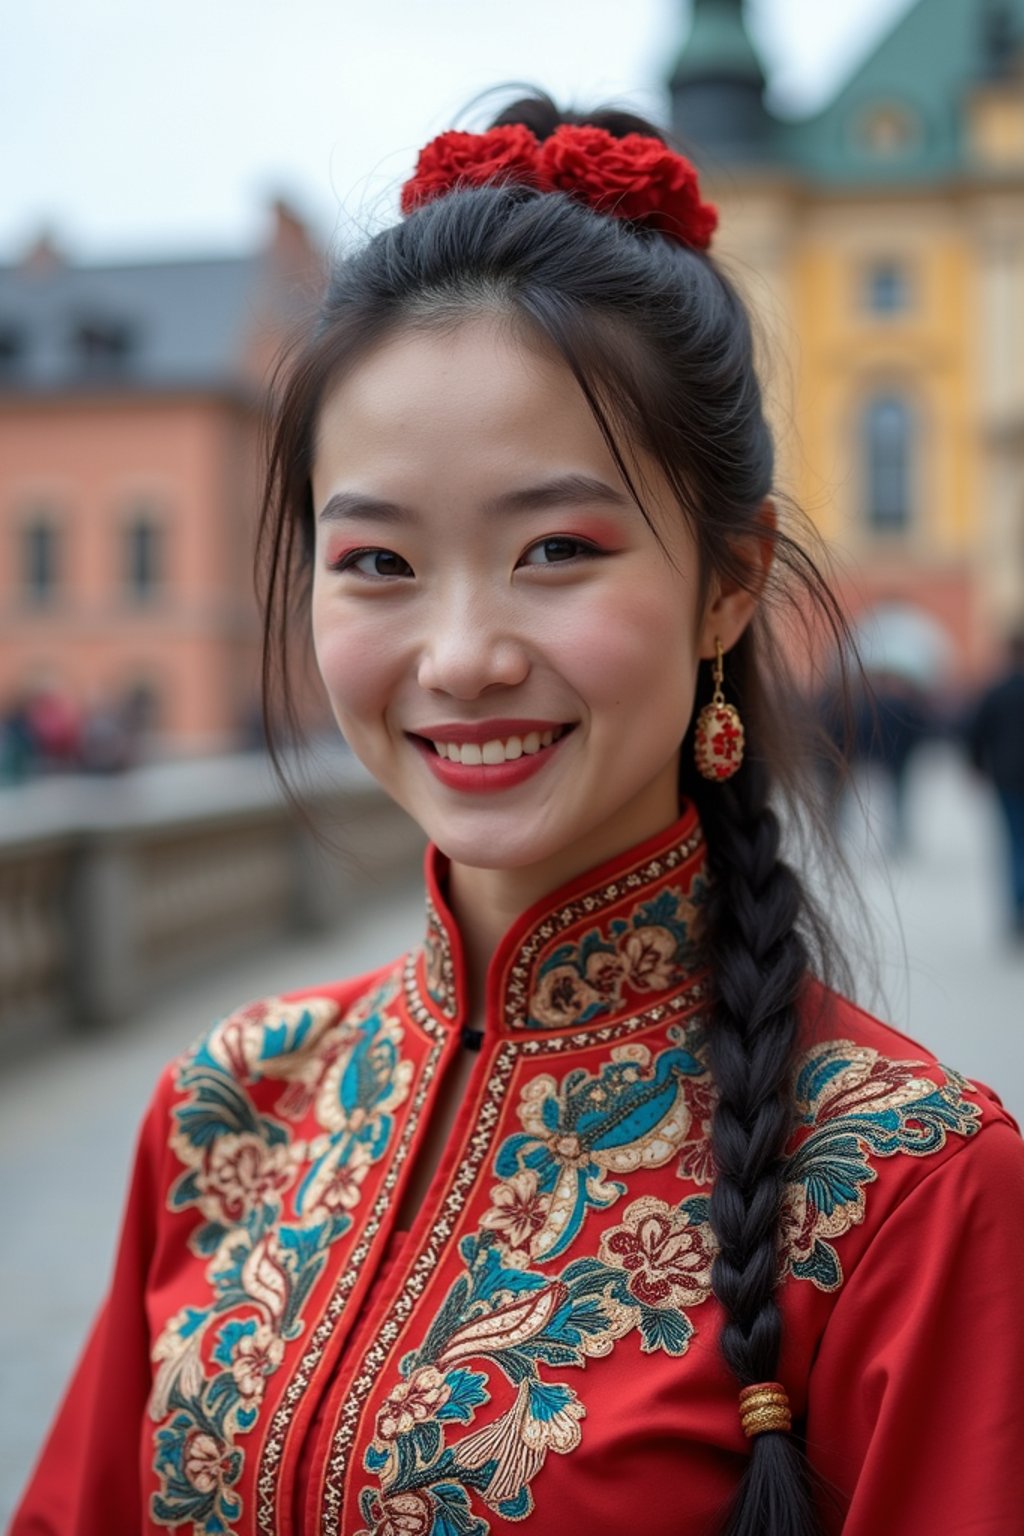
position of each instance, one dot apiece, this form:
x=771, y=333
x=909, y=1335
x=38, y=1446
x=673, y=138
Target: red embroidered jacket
x=544, y=1352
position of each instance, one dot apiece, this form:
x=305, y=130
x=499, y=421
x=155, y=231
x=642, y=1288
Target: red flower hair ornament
x=636, y=177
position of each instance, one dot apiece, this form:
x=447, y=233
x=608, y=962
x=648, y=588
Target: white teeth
x=496, y=751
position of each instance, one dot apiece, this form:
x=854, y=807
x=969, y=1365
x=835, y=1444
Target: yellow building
x=881, y=242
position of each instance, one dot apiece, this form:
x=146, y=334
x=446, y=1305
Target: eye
x=559, y=550
x=373, y=562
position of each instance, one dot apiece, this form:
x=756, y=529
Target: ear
x=732, y=604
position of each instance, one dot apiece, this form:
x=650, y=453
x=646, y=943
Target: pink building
x=129, y=401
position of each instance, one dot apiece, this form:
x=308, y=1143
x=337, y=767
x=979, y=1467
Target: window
x=12, y=346
x=888, y=433
x=886, y=288
x=39, y=557
x=101, y=345
x=887, y=129
x=143, y=556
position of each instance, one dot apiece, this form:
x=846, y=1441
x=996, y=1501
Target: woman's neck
x=485, y=904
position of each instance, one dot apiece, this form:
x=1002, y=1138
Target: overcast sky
x=144, y=127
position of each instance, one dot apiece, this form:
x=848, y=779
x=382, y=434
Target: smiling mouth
x=505, y=749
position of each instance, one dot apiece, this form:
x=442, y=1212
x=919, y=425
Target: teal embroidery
x=633, y=1113
x=504, y=1326
x=856, y=1103
x=622, y=963
x=514, y=1323
x=272, y=1209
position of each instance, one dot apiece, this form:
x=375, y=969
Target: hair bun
x=543, y=117
x=537, y=112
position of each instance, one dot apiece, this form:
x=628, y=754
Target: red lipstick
x=487, y=778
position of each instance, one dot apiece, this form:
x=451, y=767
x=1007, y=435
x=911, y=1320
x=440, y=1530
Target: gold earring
x=718, y=735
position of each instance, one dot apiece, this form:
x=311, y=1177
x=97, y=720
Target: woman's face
x=505, y=644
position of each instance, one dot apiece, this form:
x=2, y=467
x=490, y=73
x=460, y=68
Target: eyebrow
x=562, y=490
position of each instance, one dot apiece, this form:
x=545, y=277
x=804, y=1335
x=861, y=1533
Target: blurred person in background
x=17, y=745
x=878, y=726
x=55, y=727
x=996, y=744
x=108, y=743
x=892, y=719
x=600, y=1210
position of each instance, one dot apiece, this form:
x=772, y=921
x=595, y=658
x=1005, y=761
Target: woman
x=596, y=1212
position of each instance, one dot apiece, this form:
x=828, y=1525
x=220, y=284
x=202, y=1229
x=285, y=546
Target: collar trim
x=613, y=943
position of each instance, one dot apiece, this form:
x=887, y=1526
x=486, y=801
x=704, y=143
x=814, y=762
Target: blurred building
x=129, y=404
x=882, y=243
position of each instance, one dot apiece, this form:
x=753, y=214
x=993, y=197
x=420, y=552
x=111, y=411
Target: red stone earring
x=718, y=734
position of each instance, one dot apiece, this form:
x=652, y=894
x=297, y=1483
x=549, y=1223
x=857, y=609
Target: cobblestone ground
x=948, y=974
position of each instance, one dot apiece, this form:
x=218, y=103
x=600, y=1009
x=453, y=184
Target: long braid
x=759, y=962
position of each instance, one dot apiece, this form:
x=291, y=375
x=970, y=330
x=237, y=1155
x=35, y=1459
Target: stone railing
x=111, y=887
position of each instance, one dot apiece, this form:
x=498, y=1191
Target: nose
x=469, y=647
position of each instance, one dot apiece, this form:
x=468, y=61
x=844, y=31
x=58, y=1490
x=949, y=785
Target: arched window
x=888, y=444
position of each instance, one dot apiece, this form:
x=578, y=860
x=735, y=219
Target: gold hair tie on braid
x=763, y=1407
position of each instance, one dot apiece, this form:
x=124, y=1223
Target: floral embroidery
x=555, y=940
x=564, y=997
x=620, y=964
x=633, y=1113
x=667, y=1256
x=512, y=1321
x=484, y=1364
x=412, y=1402
x=855, y=1103
x=257, y=1356
x=243, y=1172
x=407, y=1514
x=695, y=1161
x=266, y=1232
x=518, y=1209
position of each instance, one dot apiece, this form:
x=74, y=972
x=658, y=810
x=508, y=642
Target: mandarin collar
x=611, y=944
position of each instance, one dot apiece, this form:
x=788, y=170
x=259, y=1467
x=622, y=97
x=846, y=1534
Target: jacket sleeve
x=916, y=1407
x=87, y=1479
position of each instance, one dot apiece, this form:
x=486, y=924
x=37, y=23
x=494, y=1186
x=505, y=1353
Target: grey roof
x=160, y=325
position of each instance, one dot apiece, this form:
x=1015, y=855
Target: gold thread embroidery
x=519, y=984
x=273, y=1446
x=439, y=1240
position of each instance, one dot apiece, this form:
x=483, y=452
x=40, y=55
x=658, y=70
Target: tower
x=717, y=88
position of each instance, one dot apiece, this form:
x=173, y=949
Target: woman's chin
x=513, y=853
x=498, y=842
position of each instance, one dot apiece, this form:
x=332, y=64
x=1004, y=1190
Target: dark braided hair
x=759, y=961
x=661, y=346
